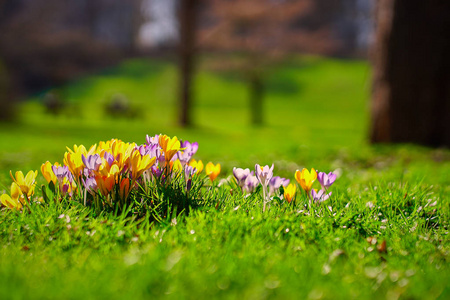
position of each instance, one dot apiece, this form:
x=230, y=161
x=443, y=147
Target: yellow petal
x=7, y=201
x=31, y=176
x=298, y=176
x=15, y=191
x=177, y=167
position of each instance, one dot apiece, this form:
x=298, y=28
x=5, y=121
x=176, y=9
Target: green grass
x=316, y=116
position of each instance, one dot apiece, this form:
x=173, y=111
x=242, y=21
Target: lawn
x=316, y=116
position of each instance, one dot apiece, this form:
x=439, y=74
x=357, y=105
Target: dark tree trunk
x=411, y=87
x=187, y=53
x=256, y=99
x=7, y=112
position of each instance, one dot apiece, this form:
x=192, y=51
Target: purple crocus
x=275, y=183
x=241, y=175
x=90, y=184
x=61, y=172
x=160, y=159
x=66, y=189
x=92, y=163
x=185, y=155
x=326, y=180
x=250, y=183
x=189, y=148
x=152, y=140
x=156, y=171
x=189, y=171
x=109, y=158
x=264, y=174
x=148, y=150
x=319, y=196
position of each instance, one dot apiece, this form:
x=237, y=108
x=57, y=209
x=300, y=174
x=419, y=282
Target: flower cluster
x=248, y=181
x=108, y=174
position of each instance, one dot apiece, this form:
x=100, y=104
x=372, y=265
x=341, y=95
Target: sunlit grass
x=316, y=115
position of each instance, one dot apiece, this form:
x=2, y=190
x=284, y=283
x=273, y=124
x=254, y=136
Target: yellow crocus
x=170, y=146
x=198, y=165
x=105, y=184
x=176, y=166
x=212, y=170
x=124, y=188
x=289, y=192
x=26, y=184
x=74, y=162
x=138, y=164
x=306, y=178
x=13, y=201
x=47, y=171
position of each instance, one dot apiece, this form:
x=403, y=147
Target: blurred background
x=248, y=79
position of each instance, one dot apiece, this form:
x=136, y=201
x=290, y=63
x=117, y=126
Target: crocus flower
x=61, y=172
x=250, y=184
x=326, y=180
x=109, y=158
x=189, y=171
x=74, y=162
x=275, y=183
x=77, y=149
x=46, y=170
x=240, y=175
x=319, y=196
x=212, y=170
x=90, y=184
x=26, y=184
x=156, y=171
x=170, y=146
x=306, y=179
x=152, y=140
x=189, y=149
x=105, y=184
x=148, y=150
x=176, y=166
x=13, y=201
x=289, y=192
x=138, y=164
x=124, y=188
x=264, y=174
x=160, y=158
x=92, y=162
x=68, y=186
x=198, y=165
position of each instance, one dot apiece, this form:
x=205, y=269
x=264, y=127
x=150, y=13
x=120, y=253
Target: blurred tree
x=260, y=33
x=6, y=105
x=188, y=17
x=411, y=81
x=44, y=43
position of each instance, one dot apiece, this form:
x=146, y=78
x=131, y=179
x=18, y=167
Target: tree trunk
x=187, y=52
x=7, y=112
x=411, y=84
